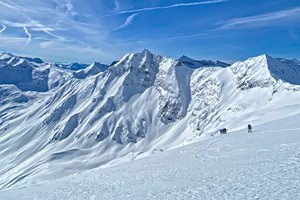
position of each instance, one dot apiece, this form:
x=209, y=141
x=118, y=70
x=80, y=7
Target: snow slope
x=264, y=164
x=55, y=122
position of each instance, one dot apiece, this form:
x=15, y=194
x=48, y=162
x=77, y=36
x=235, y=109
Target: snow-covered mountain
x=72, y=66
x=194, y=64
x=93, y=69
x=56, y=122
x=24, y=74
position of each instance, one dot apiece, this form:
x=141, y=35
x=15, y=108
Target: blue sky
x=105, y=30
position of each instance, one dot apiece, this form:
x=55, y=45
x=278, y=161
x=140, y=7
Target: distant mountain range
x=72, y=66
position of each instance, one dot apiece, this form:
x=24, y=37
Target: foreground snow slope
x=264, y=164
x=56, y=122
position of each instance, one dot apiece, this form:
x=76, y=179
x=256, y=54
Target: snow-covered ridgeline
x=56, y=122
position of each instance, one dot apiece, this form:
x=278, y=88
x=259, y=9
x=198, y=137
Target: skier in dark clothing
x=223, y=131
x=249, y=128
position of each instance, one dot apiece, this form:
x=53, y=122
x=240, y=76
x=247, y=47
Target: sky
x=106, y=30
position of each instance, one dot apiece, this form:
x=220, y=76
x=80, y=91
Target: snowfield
x=147, y=126
x=264, y=164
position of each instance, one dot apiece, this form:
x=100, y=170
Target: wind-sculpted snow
x=208, y=102
x=141, y=72
x=252, y=73
x=55, y=122
x=57, y=77
x=264, y=164
x=63, y=108
x=173, y=85
x=264, y=72
x=69, y=127
x=108, y=107
x=23, y=74
x=9, y=94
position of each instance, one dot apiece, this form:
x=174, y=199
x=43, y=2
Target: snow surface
x=56, y=122
x=264, y=164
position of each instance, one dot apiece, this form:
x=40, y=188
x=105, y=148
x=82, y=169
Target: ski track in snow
x=260, y=165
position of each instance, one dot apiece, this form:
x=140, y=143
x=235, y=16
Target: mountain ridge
x=79, y=120
x=194, y=64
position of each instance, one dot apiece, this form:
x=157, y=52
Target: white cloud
x=29, y=36
x=172, y=6
x=64, y=6
x=56, y=28
x=3, y=29
x=52, y=19
x=269, y=19
x=9, y=42
x=117, y=5
x=69, y=6
x=127, y=22
x=67, y=51
x=34, y=26
x=7, y=5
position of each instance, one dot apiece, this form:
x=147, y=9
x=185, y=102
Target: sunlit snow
x=150, y=125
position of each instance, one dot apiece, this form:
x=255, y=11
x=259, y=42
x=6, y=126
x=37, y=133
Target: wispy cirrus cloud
x=18, y=16
x=172, y=6
x=127, y=22
x=29, y=36
x=3, y=29
x=63, y=17
x=15, y=42
x=268, y=19
x=34, y=26
x=256, y=21
x=117, y=5
x=59, y=49
x=7, y=5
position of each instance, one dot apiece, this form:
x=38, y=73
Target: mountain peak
x=146, y=52
x=9, y=56
x=6, y=54
x=93, y=69
x=184, y=57
x=265, y=69
x=266, y=56
x=262, y=57
x=99, y=66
